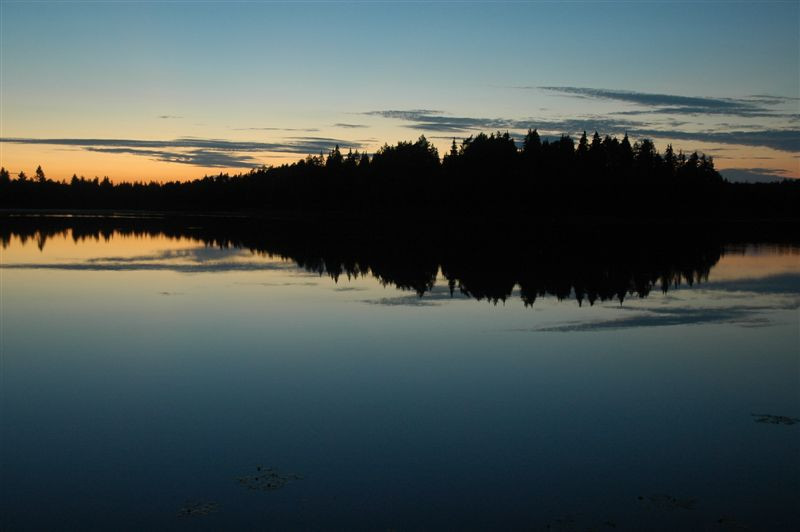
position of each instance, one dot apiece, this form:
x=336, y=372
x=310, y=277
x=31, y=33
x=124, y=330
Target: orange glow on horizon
x=61, y=162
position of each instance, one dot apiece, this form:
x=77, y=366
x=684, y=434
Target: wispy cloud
x=771, y=98
x=402, y=301
x=754, y=106
x=287, y=283
x=433, y=297
x=199, y=157
x=780, y=133
x=782, y=283
x=215, y=153
x=778, y=139
x=437, y=121
x=192, y=260
x=305, y=129
x=429, y=120
x=181, y=268
x=409, y=114
x=169, y=117
x=349, y=126
x=293, y=145
x=754, y=175
x=742, y=315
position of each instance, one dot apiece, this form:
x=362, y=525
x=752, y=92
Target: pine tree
x=532, y=144
x=583, y=146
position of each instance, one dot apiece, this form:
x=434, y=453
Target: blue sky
x=272, y=80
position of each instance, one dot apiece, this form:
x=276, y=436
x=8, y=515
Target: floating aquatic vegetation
x=775, y=420
x=197, y=508
x=267, y=479
x=661, y=501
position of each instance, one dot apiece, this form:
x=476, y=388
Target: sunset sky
x=176, y=90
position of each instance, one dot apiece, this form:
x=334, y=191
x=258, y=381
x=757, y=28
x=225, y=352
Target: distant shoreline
x=465, y=228
x=343, y=215
x=486, y=177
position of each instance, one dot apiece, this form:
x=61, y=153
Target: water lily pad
x=662, y=501
x=267, y=479
x=197, y=508
x=775, y=420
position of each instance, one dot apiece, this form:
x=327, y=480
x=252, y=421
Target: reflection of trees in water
x=603, y=263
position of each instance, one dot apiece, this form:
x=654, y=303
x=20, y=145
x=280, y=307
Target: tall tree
x=583, y=147
x=532, y=145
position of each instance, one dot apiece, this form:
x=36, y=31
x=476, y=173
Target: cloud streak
x=754, y=106
x=349, y=126
x=216, y=153
x=754, y=175
x=206, y=158
x=742, y=315
x=437, y=121
x=192, y=260
x=310, y=129
x=409, y=114
x=435, y=296
x=783, y=283
x=778, y=139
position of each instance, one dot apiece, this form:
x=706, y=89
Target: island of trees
x=484, y=175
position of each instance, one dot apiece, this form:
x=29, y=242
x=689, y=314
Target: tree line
x=483, y=174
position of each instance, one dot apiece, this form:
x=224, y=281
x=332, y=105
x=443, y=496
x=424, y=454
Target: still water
x=158, y=381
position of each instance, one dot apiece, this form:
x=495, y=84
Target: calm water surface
x=144, y=374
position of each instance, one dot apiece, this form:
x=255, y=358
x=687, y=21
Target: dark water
x=145, y=371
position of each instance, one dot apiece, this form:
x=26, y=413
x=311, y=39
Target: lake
x=175, y=375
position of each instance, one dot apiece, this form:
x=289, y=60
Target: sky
x=174, y=90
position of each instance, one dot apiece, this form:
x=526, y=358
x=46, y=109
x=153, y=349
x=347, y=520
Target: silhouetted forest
x=589, y=264
x=484, y=175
